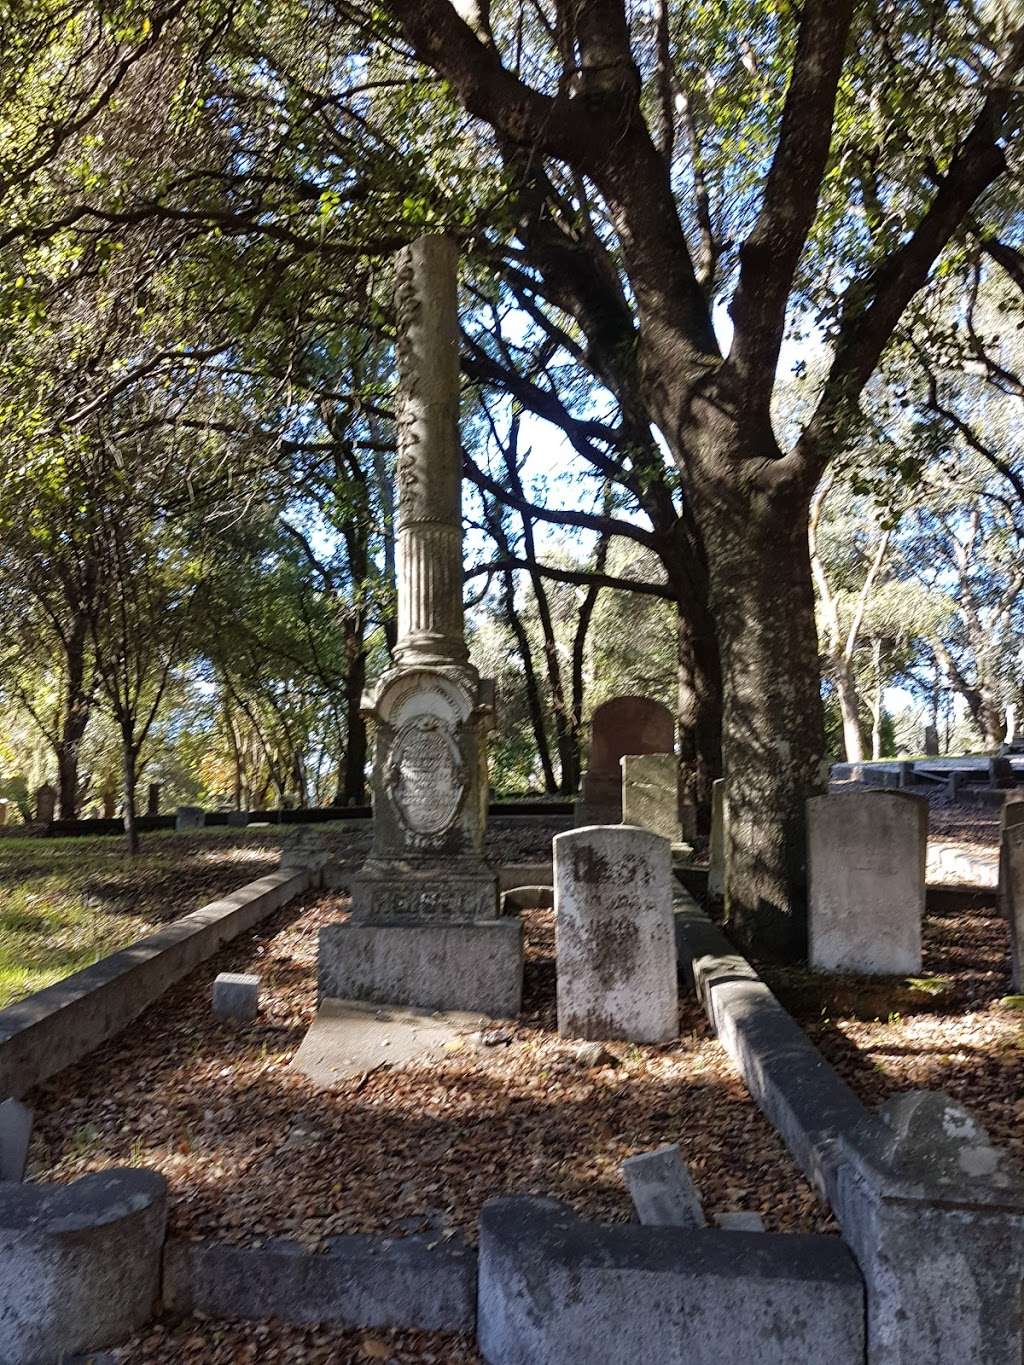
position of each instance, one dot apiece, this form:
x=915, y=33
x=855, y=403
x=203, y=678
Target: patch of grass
x=65, y=903
x=931, y=985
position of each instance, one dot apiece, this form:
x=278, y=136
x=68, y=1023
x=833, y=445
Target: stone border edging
x=806, y=1100
x=422, y=1283
x=929, y=1207
x=555, y=1289
x=79, y=1263
x=62, y=1023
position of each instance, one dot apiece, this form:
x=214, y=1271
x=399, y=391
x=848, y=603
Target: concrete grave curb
x=930, y=1208
x=49, y=1030
x=423, y=1283
x=554, y=1289
x=79, y=1263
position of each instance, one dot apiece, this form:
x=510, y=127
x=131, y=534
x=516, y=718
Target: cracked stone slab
x=352, y=1037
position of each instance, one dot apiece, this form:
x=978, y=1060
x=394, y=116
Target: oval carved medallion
x=425, y=777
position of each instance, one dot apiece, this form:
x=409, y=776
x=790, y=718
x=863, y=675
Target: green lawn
x=64, y=903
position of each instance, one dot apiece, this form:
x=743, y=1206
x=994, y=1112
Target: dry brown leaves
x=227, y=1343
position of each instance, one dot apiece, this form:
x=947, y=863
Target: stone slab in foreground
x=79, y=1263
x=554, y=1289
x=421, y=1283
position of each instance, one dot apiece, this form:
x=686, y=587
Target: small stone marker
x=906, y=774
x=662, y=1190
x=236, y=997
x=866, y=881
x=1011, y=887
x=931, y=741
x=189, y=817
x=153, y=799
x=739, y=1220
x=953, y=784
x=716, y=850
x=46, y=803
x=650, y=794
x=614, y=935
x=1000, y=773
x=15, y=1135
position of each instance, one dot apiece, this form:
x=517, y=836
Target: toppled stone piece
x=739, y=1220
x=936, y=1140
x=662, y=1190
x=236, y=997
x=15, y=1135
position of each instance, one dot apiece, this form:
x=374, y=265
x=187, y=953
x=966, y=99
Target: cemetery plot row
x=252, y=1151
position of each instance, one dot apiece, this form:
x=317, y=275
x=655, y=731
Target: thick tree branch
x=769, y=256
x=872, y=308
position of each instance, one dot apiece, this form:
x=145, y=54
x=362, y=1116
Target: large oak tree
x=583, y=104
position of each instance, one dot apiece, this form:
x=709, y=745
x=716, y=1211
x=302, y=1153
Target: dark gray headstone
x=189, y=817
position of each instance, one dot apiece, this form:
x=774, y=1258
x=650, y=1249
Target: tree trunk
x=849, y=707
x=773, y=731
x=530, y=685
x=699, y=714
x=129, y=759
x=354, y=786
x=876, y=704
x=74, y=721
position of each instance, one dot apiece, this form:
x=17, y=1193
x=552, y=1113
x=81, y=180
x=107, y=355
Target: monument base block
x=451, y=889
x=473, y=967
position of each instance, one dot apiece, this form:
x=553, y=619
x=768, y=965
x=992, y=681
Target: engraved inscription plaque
x=426, y=780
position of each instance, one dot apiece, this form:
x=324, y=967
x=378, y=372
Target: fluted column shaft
x=430, y=618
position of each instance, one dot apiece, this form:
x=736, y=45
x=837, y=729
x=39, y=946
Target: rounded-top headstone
x=628, y=725
x=614, y=935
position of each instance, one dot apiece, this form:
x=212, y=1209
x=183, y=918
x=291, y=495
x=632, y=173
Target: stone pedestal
x=476, y=967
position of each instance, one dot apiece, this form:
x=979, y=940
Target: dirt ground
x=946, y=1030
x=252, y=1151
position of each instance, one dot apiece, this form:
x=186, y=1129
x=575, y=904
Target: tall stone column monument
x=425, y=928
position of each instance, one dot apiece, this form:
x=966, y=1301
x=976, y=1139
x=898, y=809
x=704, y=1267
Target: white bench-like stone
x=614, y=936
x=866, y=854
